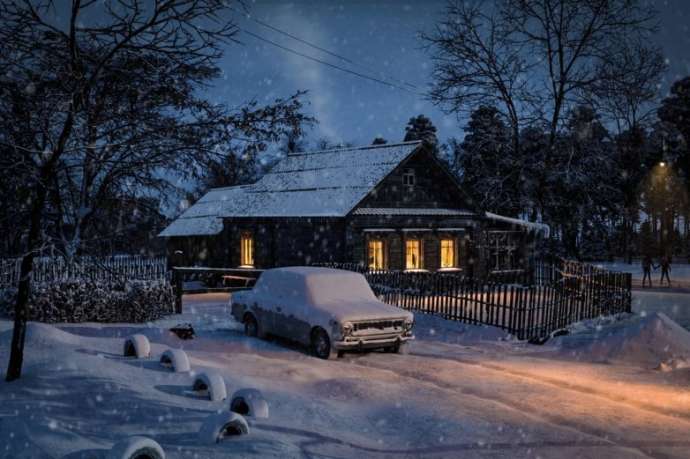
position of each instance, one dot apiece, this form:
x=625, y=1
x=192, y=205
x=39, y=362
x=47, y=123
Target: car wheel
x=321, y=344
x=398, y=348
x=251, y=326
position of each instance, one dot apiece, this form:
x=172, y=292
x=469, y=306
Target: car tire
x=398, y=348
x=321, y=344
x=251, y=326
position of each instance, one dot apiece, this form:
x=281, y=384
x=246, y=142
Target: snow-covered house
x=392, y=206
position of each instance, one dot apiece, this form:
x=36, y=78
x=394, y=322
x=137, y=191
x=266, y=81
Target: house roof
x=326, y=183
x=412, y=211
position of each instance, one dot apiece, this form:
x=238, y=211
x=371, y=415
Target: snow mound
x=137, y=346
x=40, y=334
x=219, y=426
x=176, y=360
x=136, y=448
x=249, y=402
x=433, y=327
x=210, y=384
x=652, y=341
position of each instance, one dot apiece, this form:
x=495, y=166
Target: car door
x=291, y=316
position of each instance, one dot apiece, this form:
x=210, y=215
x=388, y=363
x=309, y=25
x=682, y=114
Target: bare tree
x=570, y=41
x=627, y=86
x=476, y=64
x=96, y=109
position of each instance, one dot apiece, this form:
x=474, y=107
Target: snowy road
x=458, y=393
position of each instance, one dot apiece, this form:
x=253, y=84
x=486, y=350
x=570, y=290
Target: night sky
x=380, y=36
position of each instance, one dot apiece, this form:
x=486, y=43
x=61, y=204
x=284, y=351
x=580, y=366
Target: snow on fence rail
x=559, y=295
x=118, y=268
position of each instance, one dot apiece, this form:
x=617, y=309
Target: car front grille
x=378, y=325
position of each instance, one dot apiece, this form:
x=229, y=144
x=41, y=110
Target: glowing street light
x=662, y=164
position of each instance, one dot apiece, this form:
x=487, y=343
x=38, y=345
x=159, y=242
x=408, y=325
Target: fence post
x=177, y=283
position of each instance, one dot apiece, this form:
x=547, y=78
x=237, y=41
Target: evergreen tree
x=489, y=170
x=421, y=128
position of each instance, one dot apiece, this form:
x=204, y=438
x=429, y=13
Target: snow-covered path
x=458, y=393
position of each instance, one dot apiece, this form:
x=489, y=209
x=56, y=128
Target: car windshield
x=338, y=288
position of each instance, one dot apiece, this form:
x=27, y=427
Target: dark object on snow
x=183, y=331
x=543, y=339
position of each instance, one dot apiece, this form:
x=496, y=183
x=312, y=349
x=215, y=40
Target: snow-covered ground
x=461, y=391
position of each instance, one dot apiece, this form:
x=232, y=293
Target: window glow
x=447, y=253
x=413, y=254
x=247, y=250
x=376, y=254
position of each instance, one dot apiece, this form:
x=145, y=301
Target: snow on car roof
x=315, y=284
x=311, y=184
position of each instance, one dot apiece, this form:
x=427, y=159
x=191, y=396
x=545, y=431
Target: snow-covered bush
x=249, y=402
x=136, y=448
x=88, y=301
x=176, y=360
x=218, y=426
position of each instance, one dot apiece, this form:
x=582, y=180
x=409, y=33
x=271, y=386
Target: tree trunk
x=21, y=309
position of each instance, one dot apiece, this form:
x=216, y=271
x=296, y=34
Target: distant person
x=647, y=269
x=665, y=264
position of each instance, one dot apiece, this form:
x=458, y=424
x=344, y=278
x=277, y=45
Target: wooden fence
x=558, y=295
x=54, y=269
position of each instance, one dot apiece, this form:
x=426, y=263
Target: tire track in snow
x=561, y=384
x=525, y=409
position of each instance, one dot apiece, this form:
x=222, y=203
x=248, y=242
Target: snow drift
x=647, y=341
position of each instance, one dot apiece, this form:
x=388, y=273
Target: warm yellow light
x=662, y=164
x=247, y=250
x=447, y=253
x=376, y=254
x=413, y=254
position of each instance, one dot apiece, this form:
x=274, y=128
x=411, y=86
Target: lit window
x=376, y=254
x=408, y=177
x=247, y=250
x=413, y=252
x=447, y=253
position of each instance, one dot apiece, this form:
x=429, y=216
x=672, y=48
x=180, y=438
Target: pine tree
x=489, y=170
x=421, y=128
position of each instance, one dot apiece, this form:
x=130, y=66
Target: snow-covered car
x=330, y=310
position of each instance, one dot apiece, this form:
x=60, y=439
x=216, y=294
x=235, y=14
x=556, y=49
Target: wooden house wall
x=433, y=187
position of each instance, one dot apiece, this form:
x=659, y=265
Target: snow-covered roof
x=411, y=211
x=313, y=184
x=541, y=229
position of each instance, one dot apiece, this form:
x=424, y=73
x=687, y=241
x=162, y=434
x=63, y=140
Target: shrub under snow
x=87, y=301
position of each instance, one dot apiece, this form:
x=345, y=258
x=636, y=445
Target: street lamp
x=662, y=164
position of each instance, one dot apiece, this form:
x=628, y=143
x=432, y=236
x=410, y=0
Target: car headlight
x=409, y=323
x=346, y=328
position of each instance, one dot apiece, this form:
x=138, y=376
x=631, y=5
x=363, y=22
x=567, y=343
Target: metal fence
x=556, y=295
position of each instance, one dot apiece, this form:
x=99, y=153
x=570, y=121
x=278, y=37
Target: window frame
x=247, y=236
x=409, y=175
